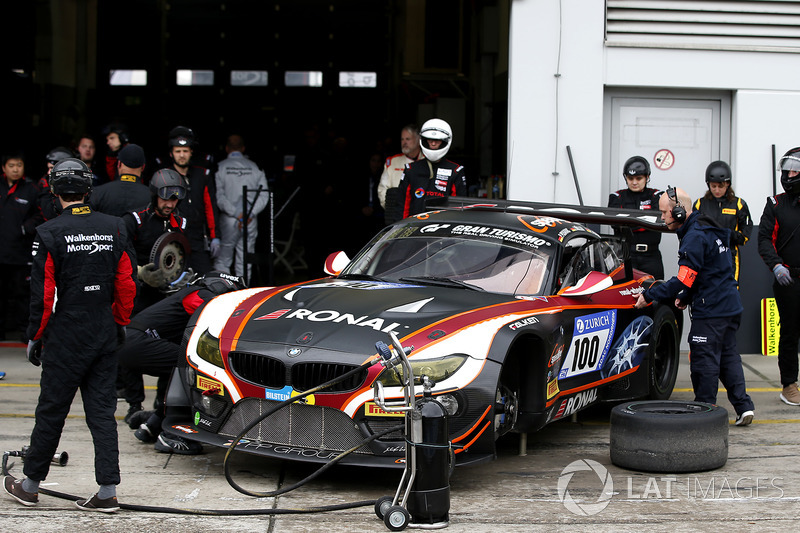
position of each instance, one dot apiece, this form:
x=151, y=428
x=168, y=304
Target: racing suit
x=779, y=243
x=200, y=209
x=234, y=173
x=19, y=216
x=428, y=179
x=733, y=215
x=153, y=342
x=47, y=202
x=123, y=195
x=86, y=258
x=144, y=228
x=390, y=179
x=705, y=281
x=645, y=255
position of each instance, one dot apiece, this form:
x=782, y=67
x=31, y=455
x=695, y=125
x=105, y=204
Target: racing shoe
x=109, y=505
x=171, y=443
x=132, y=410
x=790, y=394
x=745, y=418
x=145, y=433
x=13, y=488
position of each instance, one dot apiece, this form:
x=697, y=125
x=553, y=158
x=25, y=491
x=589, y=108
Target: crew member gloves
x=151, y=275
x=122, y=334
x=213, y=248
x=34, y=352
x=782, y=275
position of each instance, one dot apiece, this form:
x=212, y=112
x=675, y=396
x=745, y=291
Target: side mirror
x=335, y=263
x=591, y=283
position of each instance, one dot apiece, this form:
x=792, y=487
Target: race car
x=517, y=314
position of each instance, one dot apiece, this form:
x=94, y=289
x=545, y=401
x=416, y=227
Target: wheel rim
x=397, y=518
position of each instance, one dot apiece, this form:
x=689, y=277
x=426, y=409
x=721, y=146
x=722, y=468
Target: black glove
x=34, y=352
x=152, y=275
x=122, y=334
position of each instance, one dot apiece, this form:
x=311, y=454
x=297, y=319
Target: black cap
x=132, y=156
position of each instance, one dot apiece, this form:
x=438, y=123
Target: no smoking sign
x=664, y=159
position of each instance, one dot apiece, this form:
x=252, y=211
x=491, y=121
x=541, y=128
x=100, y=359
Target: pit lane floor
x=758, y=488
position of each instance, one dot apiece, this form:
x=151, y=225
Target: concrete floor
x=755, y=490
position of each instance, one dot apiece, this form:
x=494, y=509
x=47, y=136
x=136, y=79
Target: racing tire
x=382, y=505
x=663, y=355
x=396, y=518
x=669, y=436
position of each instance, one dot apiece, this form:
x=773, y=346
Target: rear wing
x=611, y=216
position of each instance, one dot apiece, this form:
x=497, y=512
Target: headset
x=678, y=212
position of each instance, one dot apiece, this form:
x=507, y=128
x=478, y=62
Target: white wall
x=545, y=116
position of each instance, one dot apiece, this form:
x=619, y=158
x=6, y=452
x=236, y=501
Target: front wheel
x=663, y=355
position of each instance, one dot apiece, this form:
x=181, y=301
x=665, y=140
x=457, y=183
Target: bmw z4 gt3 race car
x=520, y=314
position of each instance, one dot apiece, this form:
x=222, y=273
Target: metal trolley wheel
x=169, y=254
x=396, y=518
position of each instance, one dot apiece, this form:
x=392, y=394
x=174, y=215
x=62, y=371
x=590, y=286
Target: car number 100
x=591, y=339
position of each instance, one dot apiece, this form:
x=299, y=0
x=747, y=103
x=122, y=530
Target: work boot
x=790, y=394
x=138, y=418
x=171, y=443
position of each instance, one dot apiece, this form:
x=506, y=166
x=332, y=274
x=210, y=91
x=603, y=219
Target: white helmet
x=439, y=130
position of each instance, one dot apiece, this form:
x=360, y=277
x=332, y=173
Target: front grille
x=306, y=376
x=258, y=369
x=376, y=426
x=301, y=425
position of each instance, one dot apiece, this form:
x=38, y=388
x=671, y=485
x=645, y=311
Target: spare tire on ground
x=669, y=436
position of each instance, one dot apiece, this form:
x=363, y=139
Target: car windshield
x=483, y=264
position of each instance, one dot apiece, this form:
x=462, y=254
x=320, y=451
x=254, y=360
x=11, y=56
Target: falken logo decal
x=331, y=316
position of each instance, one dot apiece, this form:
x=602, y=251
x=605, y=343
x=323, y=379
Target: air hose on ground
x=238, y=488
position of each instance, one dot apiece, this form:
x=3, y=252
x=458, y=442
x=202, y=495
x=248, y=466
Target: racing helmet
x=436, y=129
x=70, y=176
x=167, y=185
x=57, y=154
x=718, y=172
x=181, y=136
x=790, y=162
x=219, y=282
x=636, y=166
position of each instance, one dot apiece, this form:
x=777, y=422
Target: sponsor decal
x=631, y=291
x=433, y=228
x=507, y=235
x=83, y=210
x=200, y=421
x=419, y=193
x=575, y=403
x=285, y=393
x=333, y=316
x=524, y=322
x=288, y=450
x=552, y=389
x=184, y=429
x=91, y=288
x=556, y=357
x=440, y=184
x=444, y=172
x=591, y=339
x=373, y=409
x=728, y=211
x=698, y=339
x=207, y=384
x=89, y=243
x=273, y=315
x=539, y=224
x=362, y=285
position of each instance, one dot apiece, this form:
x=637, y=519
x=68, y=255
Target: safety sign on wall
x=664, y=159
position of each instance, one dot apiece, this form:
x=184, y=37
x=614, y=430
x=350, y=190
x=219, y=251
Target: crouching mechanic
x=153, y=347
x=84, y=257
x=705, y=280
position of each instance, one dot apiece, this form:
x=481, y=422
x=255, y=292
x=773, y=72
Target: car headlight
x=436, y=369
x=208, y=349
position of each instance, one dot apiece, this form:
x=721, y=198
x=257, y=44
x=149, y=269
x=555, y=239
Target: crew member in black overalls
x=645, y=255
x=705, y=282
x=779, y=247
x=84, y=258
